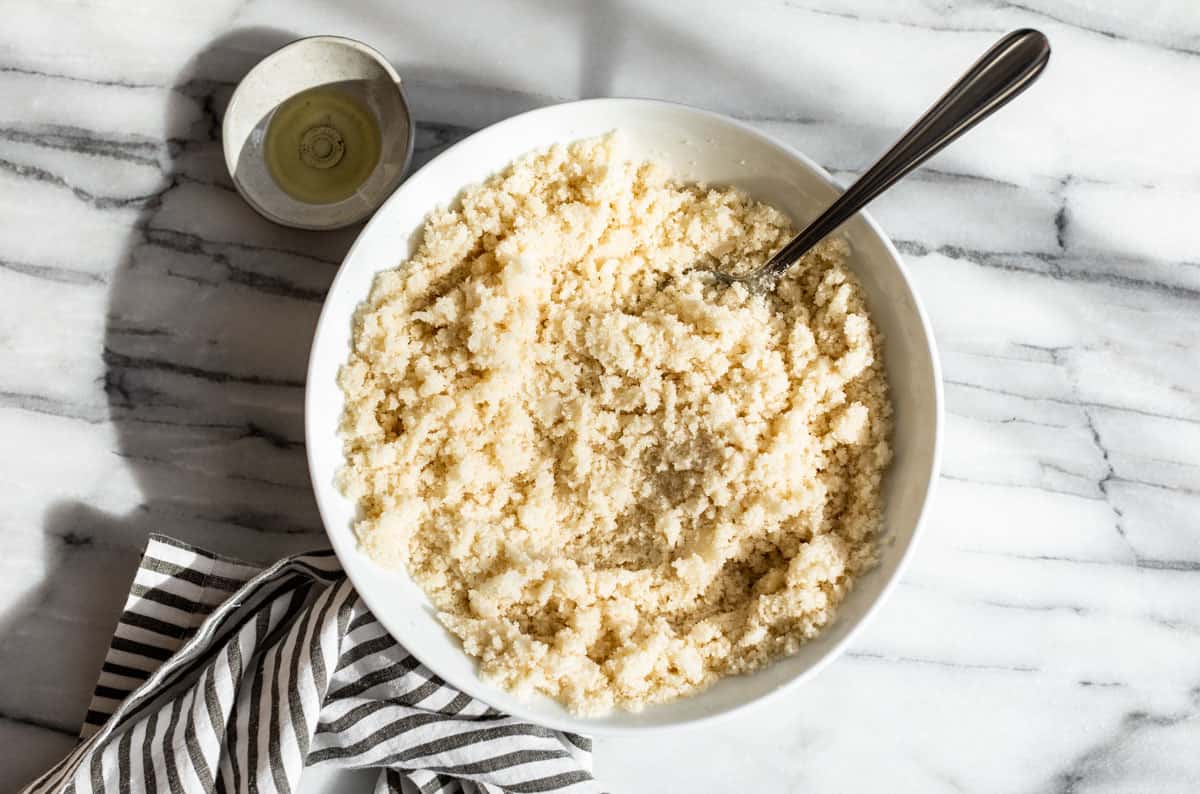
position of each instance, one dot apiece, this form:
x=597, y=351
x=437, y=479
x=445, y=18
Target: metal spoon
x=1004, y=71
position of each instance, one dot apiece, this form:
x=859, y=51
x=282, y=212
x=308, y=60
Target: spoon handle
x=1004, y=71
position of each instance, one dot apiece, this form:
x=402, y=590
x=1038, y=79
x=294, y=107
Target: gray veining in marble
x=154, y=332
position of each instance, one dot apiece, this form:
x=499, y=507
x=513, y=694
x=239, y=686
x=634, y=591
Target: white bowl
x=695, y=145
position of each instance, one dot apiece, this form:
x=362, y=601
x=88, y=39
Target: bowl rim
x=581, y=724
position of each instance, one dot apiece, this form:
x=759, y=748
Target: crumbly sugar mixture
x=616, y=480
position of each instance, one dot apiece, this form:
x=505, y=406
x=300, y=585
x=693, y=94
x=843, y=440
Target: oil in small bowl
x=322, y=145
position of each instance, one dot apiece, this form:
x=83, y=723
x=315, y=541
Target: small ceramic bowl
x=693, y=145
x=302, y=65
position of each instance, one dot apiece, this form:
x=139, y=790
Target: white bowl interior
x=695, y=145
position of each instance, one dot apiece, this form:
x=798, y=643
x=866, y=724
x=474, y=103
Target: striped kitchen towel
x=224, y=677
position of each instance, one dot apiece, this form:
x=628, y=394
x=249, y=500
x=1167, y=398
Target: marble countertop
x=154, y=331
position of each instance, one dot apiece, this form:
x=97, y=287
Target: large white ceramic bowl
x=695, y=145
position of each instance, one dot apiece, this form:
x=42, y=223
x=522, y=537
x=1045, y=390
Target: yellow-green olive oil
x=322, y=145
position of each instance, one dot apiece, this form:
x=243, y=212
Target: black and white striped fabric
x=225, y=678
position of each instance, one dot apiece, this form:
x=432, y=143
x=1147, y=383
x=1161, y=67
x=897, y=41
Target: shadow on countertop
x=211, y=309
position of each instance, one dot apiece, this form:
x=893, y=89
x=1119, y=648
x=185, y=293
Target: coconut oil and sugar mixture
x=617, y=481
